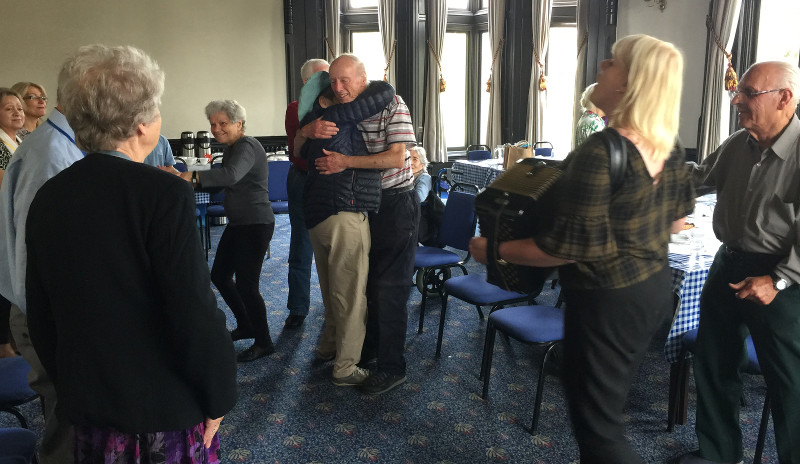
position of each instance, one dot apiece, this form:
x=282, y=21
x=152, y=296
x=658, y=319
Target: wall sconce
x=661, y=3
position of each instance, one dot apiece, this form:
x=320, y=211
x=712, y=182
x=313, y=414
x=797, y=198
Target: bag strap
x=618, y=156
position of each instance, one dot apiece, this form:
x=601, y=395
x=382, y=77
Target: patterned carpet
x=289, y=412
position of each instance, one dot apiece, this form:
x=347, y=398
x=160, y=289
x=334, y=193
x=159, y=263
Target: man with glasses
x=752, y=287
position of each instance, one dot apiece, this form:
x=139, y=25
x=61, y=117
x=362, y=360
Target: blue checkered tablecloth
x=480, y=173
x=689, y=273
x=201, y=198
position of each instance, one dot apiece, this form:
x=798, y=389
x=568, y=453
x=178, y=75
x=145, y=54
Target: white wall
x=209, y=50
x=683, y=24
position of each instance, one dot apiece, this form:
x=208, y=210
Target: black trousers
x=5, y=314
x=241, y=252
x=606, y=335
x=391, y=266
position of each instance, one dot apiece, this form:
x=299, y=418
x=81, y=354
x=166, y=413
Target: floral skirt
x=96, y=445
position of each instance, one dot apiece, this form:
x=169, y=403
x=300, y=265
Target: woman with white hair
x=612, y=247
x=419, y=166
x=244, y=243
x=119, y=302
x=591, y=120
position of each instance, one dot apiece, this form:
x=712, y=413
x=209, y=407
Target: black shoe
x=240, y=334
x=255, y=352
x=381, y=382
x=293, y=321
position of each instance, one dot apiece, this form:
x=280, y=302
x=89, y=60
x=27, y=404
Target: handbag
x=520, y=203
x=514, y=153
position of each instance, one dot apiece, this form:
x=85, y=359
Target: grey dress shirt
x=758, y=196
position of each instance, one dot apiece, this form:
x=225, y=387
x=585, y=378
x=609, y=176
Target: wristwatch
x=778, y=282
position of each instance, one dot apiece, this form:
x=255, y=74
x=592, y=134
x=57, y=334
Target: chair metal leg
x=762, y=431
x=441, y=323
x=678, y=393
x=422, y=306
x=537, y=405
x=488, y=351
x=480, y=313
x=15, y=412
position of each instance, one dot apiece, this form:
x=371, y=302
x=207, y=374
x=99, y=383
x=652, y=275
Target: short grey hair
x=586, y=99
x=307, y=70
x=106, y=92
x=232, y=109
x=360, y=68
x=423, y=156
x=789, y=77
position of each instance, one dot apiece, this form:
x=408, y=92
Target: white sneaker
x=358, y=377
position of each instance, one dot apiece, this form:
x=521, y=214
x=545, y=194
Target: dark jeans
x=391, y=266
x=241, y=252
x=720, y=357
x=606, y=335
x=300, y=251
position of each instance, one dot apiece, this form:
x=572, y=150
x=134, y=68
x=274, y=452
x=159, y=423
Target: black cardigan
x=120, y=307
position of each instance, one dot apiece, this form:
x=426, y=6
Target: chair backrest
x=459, y=220
x=216, y=198
x=278, y=172
x=477, y=155
x=180, y=165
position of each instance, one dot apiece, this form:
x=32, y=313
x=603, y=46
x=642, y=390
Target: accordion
x=518, y=204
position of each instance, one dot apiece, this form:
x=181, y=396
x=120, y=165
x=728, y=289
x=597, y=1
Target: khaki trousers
x=341, y=250
x=57, y=442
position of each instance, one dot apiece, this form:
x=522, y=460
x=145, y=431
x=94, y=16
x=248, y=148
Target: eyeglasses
x=34, y=97
x=750, y=93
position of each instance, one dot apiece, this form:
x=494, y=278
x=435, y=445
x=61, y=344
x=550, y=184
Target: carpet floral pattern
x=289, y=412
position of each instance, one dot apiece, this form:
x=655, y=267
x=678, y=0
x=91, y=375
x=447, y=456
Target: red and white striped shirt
x=392, y=125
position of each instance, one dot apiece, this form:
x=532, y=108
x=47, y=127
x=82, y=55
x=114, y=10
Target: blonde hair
x=586, y=99
x=651, y=103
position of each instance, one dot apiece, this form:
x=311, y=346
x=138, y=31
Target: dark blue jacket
x=355, y=190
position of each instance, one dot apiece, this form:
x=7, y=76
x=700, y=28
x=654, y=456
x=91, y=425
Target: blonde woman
x=612, y=249
x=34, y=99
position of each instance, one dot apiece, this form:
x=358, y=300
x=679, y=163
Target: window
x=367, y=46
x=561, y=67
x=778, y=43
x=454, y=100
x=357, y=4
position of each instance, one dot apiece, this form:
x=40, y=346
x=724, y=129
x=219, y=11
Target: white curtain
x=580, y=71
x=433, y=127
x=537, y=99
x=386, y=15
x=494, y=134
x=724, y=17
x=333, y=36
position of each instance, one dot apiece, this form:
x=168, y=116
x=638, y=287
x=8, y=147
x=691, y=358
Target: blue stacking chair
x=474, y=153
x=475, y=290
x=535, y=325
x=278, y=195
x=14, y=388
x=215, y=208
x=689, y=343
x=17, y=445
x=433, y=264
x=202, y=224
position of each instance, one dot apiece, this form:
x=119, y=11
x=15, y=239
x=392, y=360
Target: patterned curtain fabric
x=333, y=34
x=580, y=71
x=497, y=18
x=724, y=15
x=386, y=15
x=537, y=99
x=433, y=135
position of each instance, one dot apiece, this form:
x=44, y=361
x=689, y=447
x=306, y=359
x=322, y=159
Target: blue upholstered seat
x=536, y=325
x=14, y=388
x=278, y=195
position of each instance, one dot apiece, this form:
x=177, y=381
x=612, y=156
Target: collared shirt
x=161, y=154
x=45, y=153
x=758, y=196
x=621, y=238
x=392, y=125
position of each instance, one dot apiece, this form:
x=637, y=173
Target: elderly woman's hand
x=477, y=248
x=187, y=176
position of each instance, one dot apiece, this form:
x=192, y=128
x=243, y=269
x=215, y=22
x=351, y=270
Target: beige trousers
x=341, y=250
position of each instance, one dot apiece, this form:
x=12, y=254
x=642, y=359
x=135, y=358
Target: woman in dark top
x=119, y=302
x=612, y=246
x=246, y=238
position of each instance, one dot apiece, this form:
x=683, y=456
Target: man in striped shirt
x=393, y=228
